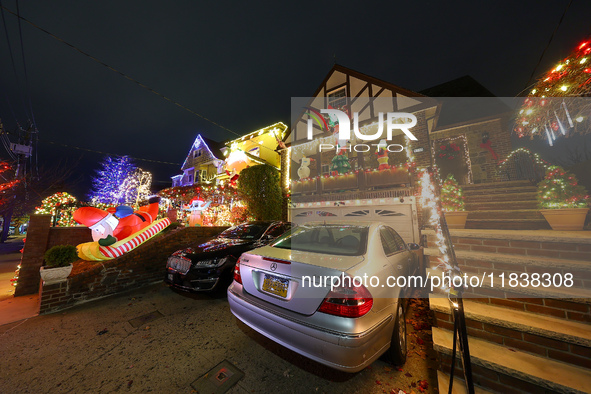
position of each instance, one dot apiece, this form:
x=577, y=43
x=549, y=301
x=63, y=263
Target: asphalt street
x=98, y=347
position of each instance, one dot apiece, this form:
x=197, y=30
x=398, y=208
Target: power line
x=119, y=72
x=109, y=154
x=547, y=45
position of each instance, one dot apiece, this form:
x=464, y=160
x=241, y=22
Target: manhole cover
x=219, y=379
x=148, y=317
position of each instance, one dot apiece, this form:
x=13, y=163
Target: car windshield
x=340, y=240
x=244, y=231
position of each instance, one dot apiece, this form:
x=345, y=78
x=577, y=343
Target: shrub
x=452, y=195
x=561, y=190
x=262, y=191
x=60, y=256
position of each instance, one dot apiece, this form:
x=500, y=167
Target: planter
x=456, y=219
x=565, y=219
x=55, y=275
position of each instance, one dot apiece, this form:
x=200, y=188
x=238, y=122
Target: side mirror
x=413, y=246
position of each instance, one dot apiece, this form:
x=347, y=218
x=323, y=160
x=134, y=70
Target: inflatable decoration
x=196, y=206
x=118, y=230
x=304, y=170
x=382, y=153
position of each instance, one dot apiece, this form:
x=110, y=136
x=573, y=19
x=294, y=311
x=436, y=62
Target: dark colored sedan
x=205, y=267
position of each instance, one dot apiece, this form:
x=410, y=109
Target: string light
x=441, y=142
x=61, y=207
x=570, y=81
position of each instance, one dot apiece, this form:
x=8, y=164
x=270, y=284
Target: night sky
x=239, y=64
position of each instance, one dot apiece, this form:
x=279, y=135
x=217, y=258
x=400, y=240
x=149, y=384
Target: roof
x=463, y=100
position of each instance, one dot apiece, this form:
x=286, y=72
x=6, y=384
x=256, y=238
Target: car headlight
x=211, y=263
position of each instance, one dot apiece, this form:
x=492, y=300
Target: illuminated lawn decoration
x=61, y=207
x=118, y=230
x=93, y=251
x=233, y=212
x=558, y=103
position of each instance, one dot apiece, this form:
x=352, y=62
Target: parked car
x=207, y=266
x=346, y=328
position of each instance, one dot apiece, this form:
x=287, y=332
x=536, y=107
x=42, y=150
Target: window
x=391, y=241
x=338, y=98
x=197, y=153
x=325, y=168
x=255, y=151
x=203, y=175
x=399, y=241
x=339, y=240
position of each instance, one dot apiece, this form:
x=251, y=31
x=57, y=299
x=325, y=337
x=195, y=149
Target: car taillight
x=347, y=301
x=237, y=276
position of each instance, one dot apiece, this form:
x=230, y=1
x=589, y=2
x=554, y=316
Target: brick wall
x=482, y=163
x=140, y=267
x=41, y=237
x=32, y=259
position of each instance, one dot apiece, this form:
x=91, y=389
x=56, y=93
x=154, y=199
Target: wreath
x=449, y=151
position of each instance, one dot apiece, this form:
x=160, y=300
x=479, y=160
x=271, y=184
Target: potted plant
x=562, y=200
x=58, y=263
x=452, y=203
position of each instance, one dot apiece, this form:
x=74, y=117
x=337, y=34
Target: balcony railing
x=353, y=182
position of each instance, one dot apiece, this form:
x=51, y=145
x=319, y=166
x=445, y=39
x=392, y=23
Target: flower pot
x=456, y=219
x=565, y=218
x=55, y=275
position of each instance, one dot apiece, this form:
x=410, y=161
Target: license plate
x=170, y=277
x=275, y=285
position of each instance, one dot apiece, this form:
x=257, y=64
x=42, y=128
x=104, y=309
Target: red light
x=237, y=276
x=347, y=301
x=583, y=45
x=277, y=260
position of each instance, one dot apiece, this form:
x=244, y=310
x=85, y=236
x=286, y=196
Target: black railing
x=522, y=165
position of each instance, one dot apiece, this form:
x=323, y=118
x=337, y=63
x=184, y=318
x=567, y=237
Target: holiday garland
x=449, y=151
x=561, y=190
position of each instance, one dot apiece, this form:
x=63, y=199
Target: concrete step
x=506, y=214
x=502, y=262
x=565, y=331
x=489, y=285
x=500, y=205
x=519, y=196
x=497, y=185
x=508, y=224
x=517, y=364
x=459, y=386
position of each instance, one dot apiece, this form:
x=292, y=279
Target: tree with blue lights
x=106, y=185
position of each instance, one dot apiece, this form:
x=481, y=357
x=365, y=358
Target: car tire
x=398, y=345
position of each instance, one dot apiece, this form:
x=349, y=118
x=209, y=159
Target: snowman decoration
x=304, y=170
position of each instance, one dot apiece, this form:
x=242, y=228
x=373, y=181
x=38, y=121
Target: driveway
x=176, y=338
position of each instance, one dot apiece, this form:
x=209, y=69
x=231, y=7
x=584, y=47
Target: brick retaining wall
x=140, y=267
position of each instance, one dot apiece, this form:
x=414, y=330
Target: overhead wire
x=126, y=76
x=531, y=77
x=10, y=51
x=107, y=153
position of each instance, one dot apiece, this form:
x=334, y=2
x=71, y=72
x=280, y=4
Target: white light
x=579, y=119
x=563, y=88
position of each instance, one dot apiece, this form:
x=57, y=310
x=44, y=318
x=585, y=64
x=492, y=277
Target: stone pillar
x=32, y=260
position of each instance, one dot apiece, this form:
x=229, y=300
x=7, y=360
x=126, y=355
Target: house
x=257, y=147
x=370, y=174
x=203, y=164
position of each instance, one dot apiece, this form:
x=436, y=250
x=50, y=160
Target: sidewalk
x=13, y=308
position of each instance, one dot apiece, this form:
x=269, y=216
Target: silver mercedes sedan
x=330, y=292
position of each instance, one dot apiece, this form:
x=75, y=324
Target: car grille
x=179, y=264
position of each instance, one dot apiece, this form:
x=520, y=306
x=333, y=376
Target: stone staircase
x=524, y=339
x=503, y=205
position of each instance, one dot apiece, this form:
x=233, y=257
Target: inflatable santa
x=118, y=223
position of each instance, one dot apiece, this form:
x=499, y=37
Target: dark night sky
x=239, y=63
